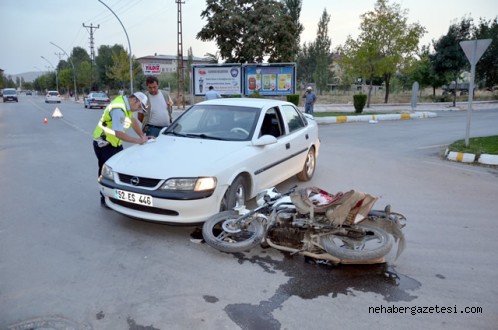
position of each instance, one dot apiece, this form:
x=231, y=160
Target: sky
x=30, y=26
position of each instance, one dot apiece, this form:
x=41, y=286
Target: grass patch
x=477, y=145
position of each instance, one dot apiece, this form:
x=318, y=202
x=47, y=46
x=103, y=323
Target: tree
x=84, y=75
x=321, y=73
x=423, y=72
x=293, y=9
x=487, y=67
x=387, y=42
x=78, y=57
x=306, y=62
x=66, y=78
x=213, y=58
x=248, y=31
x=361, y=60
x=119, y=71
x=104, y=60
x=190, y=62
x=449, y=60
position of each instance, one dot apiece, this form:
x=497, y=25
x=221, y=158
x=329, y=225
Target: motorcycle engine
x=285, y=217
x=283, y=232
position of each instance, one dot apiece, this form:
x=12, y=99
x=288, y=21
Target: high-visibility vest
x=104, y=127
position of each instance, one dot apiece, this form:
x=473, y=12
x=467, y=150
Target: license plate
x=132, y=197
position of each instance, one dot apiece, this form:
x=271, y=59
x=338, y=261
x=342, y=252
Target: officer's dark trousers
x=103, y=154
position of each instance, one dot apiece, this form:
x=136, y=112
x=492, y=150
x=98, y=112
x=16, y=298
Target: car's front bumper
x=165, y=209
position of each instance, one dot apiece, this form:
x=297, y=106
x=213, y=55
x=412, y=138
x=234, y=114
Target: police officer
x=109, y=134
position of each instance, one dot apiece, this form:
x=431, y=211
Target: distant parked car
x=29, y=93
x=10, y=94
x=96, y=100
x=53, y=96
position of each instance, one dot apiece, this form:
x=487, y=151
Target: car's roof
x=249, y=102
x=53, y=92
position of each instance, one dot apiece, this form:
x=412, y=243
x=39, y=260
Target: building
x=164, y=64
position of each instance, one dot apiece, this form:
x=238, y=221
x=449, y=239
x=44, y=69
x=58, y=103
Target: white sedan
x=217, y=155
x=53, y=96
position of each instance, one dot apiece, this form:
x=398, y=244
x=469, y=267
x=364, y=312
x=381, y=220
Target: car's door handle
x=287, y=146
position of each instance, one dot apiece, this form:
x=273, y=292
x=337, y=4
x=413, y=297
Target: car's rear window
x=53, y=93
x=9, y=92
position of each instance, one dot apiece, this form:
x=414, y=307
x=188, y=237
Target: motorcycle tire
x=376, y=243
x=238, y=239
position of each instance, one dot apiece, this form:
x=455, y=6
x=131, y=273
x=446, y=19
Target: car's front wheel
x=309, y=166
x=235, y=195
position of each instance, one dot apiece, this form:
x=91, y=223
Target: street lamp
x=56, y=75
x=129, y=45
x=74, y=71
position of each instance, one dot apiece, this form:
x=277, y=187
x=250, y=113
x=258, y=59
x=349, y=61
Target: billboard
x=270, y=79
x=226, y=79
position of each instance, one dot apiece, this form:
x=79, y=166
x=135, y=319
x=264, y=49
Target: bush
x=256, y=95
x=293, y=98
x=443, y=98
x=359, y=101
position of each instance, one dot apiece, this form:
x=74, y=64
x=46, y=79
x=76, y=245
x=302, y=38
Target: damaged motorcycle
x=340, y=228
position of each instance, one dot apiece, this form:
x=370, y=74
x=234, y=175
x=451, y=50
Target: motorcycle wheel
x=223, y=233
x=376, y=243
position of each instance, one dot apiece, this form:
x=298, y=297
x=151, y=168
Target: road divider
x=375, y=118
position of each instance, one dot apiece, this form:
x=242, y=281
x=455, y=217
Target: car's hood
x=176, y=156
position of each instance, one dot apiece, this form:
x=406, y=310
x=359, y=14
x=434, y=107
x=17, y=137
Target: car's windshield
x=9, y=91
x=220, y=122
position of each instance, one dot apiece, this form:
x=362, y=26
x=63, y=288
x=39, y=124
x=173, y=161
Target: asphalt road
x=68, y=263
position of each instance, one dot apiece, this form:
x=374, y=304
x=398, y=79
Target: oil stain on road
x=309, y=279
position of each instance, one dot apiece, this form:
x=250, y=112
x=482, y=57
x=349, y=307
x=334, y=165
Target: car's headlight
x=195, y=184
x=107, y=172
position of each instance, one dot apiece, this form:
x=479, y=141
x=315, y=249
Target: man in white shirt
x=160, y=108
x=212, y=94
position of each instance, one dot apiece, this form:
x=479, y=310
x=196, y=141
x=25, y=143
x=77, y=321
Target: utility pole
x=92, y=51
x=179, y=60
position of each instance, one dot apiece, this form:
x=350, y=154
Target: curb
x=462, y=157
x=374, y=118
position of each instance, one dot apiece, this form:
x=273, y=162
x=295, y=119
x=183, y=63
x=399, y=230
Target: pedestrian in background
x=310, y=99
x=109, y=134
x=160, y=109
x=211, y=94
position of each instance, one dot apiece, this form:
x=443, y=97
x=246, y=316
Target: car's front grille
x=142, y=182
x=143, y=208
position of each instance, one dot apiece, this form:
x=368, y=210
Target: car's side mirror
x=264, y=140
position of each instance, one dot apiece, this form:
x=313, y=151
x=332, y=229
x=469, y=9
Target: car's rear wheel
x=235, y=195
x=309, y=166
